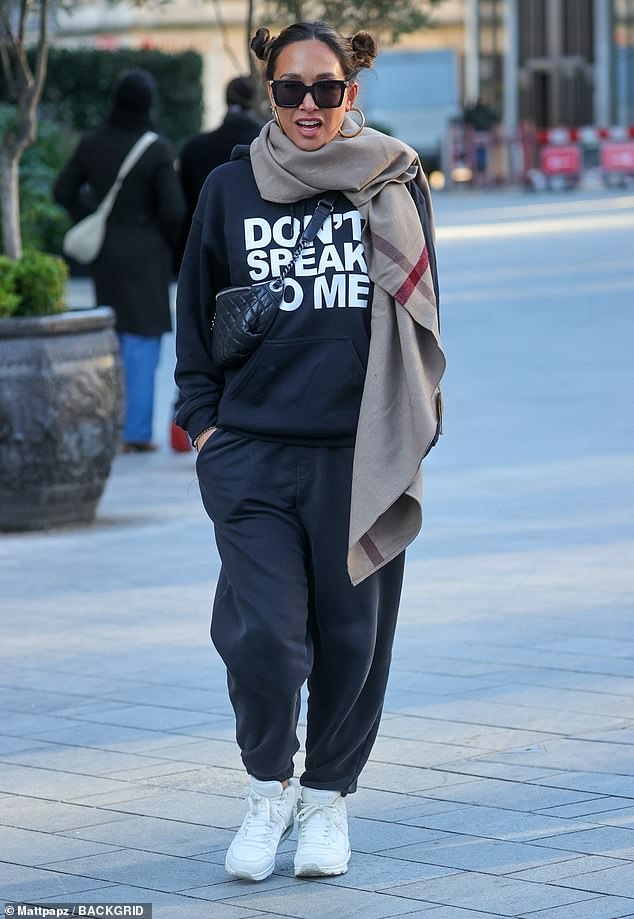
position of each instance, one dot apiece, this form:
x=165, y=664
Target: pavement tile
x=33, y=848
x=306, y=900
x=143, y=869
x=164, y=905
x=514, y=795
x=111, y=737
x=472, y=853
x=496, y=823
x=407, y=779
x=453, y=732
x=202, y=752
x=152, y=834
x=489, y=893
x=395, y=806
x=484, y=768
x=554, y=871
x=30, y=813
x=370, y=871
x=202, y=809
x=11, y=745
x=564, y=753
x=396, y=751
x=433, y=911
x=382, y=835
x=147, y=717
x=20, y=882
x=559, y=700
x=599, y=783
x=596, y=908
x=596, y=809
x=617, y=881
x=492, y=712
x=208, y=780
x=64, y=757
x=614, y=842
x=54, y=784
x=621, y=816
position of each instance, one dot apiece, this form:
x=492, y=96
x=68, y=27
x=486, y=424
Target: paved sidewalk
x=502, y=782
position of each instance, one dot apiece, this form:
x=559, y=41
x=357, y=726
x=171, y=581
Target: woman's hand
x=202, y=439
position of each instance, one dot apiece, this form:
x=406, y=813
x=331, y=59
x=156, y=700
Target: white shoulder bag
x=83, y=241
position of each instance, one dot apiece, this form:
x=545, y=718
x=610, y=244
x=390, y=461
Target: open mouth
x=308, y=124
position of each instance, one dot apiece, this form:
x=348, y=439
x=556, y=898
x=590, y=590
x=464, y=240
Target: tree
x=20, y=21
x=387, y=19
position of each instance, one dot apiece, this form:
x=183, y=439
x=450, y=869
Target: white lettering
x=286, y=238
x=355, y=221
x=305, y=266
x=297, y=295
x=358, y=290
x=257, y=232
x=330, y=258
x=353, y=257
x=259, y=264
x=330, y=296
x=279, y=259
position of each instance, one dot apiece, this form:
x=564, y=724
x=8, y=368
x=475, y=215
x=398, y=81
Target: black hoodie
x=303, y=384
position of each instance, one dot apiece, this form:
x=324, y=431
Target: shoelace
x=325, y=816
x=260, y=817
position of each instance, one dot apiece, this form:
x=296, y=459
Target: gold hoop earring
x=275, y=117
x=361, y=126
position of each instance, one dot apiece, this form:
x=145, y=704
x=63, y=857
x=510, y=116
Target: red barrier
x=564, y=160
x=617, y=157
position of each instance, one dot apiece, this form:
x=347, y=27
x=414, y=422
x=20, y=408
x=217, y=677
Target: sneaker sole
x=318, y=871
x=246, y=875
x=315, y=871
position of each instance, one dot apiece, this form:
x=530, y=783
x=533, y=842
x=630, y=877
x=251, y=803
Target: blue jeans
x=140, y=357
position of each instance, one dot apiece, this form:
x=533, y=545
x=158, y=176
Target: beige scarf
x=401, y=398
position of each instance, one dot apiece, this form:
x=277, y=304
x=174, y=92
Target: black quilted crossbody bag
x=244, y=315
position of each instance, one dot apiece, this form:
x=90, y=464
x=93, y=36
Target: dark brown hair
x=354, y=54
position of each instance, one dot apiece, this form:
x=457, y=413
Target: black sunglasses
x=291, y=93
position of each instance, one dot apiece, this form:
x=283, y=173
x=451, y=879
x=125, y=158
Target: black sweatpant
x=286, y=612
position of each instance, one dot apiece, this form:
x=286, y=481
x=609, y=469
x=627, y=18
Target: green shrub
x=43, y=221
x=39, y=280
x=80, y=83
x=9, y=297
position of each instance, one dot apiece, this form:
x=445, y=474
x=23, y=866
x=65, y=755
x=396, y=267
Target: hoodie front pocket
x=305, y=386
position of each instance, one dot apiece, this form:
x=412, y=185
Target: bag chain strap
x=324, y=208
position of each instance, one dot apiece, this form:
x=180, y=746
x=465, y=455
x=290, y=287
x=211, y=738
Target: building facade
x=550, y=62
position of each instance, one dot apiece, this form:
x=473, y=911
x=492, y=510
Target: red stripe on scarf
x=412, y=280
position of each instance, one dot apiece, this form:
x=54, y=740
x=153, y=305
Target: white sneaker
x=269, y=820
x=323, y=847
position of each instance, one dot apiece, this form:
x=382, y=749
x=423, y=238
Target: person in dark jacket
x=133, y=271
x=309, y=450
x=204, y=152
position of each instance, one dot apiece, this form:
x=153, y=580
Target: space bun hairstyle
x=354, y=54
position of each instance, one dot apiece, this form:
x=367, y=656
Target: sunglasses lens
x=288, y=93
x=328, y=93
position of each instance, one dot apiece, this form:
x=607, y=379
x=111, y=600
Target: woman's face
x=308, y=126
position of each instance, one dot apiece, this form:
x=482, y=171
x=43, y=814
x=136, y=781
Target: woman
x=309, y=452
x=133, y=271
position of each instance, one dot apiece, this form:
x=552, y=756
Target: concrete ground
x=502, y=783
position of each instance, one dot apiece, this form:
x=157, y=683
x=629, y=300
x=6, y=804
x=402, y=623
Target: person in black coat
x=205, y=151
x=133, y=271
x=199, y=156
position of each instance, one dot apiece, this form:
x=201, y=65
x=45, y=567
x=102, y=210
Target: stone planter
x=61, y=403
